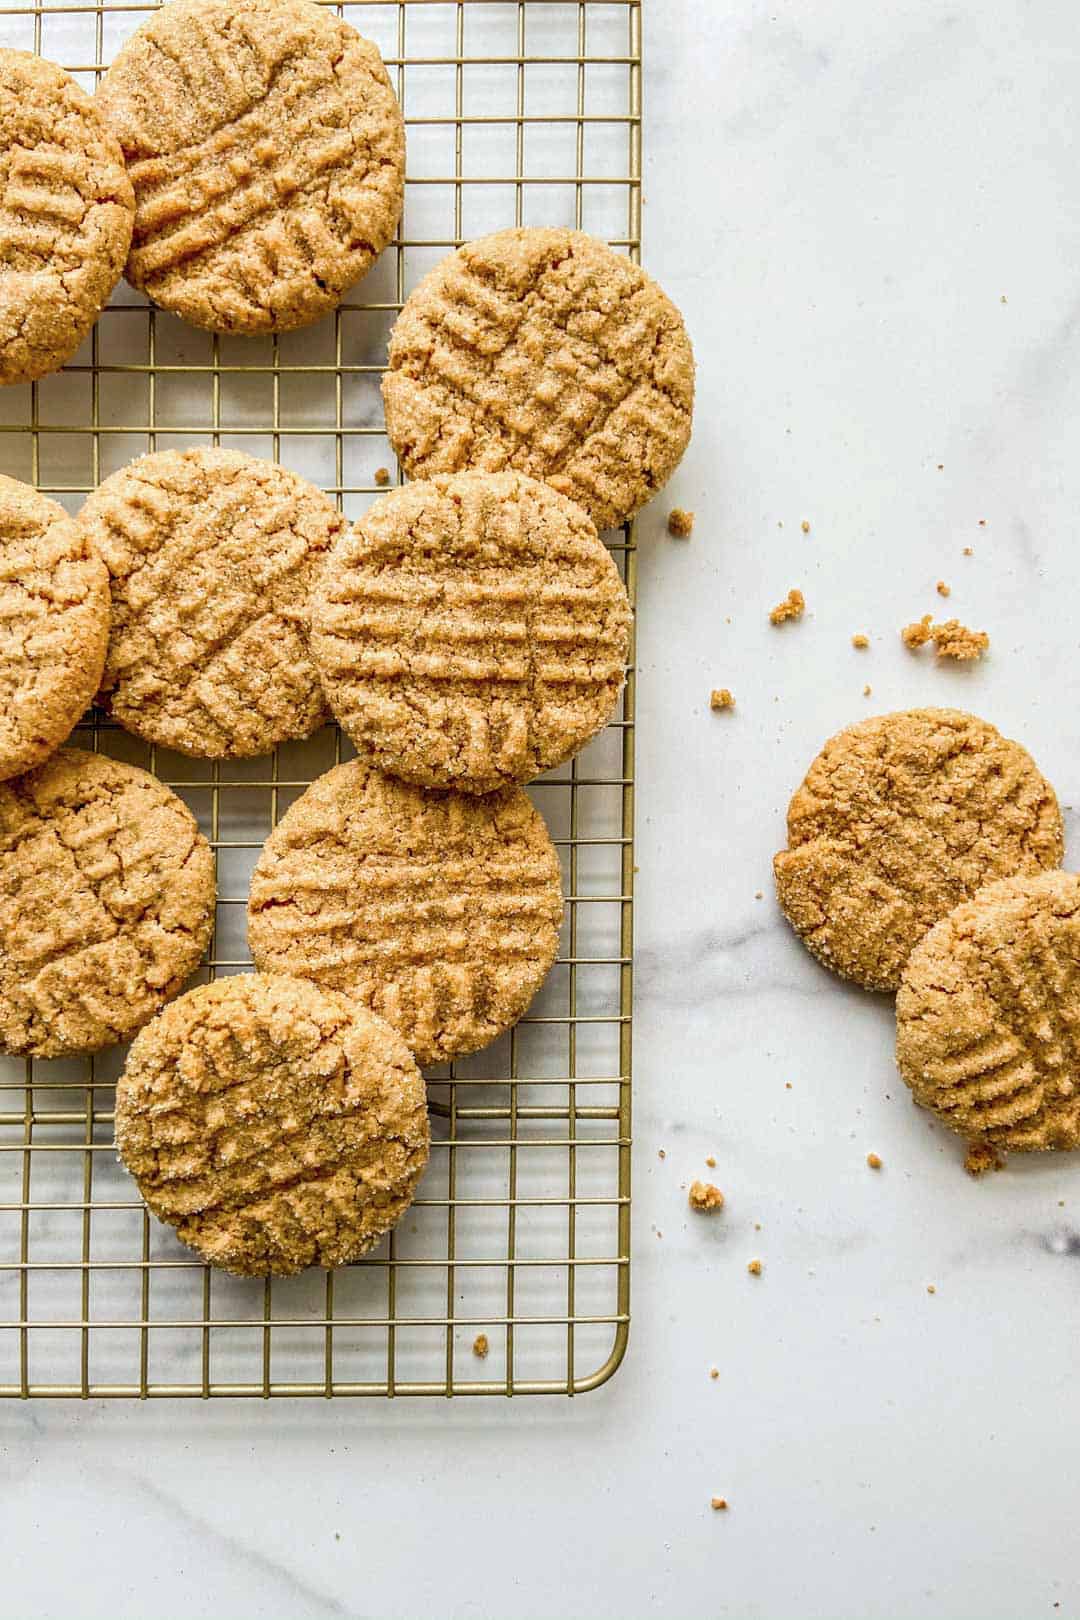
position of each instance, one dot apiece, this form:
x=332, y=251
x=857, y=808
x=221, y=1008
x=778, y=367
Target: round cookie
x=274, y=1124
x=106, y=903
x=439, y=911
x=988, y=1015
x=471, y=632
x=211, y=557
x=545, y=351
x=66, y=212
x=267, y=151
x=54, y=625
x=898, y=820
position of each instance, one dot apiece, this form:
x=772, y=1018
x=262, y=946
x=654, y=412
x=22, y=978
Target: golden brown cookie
x=899, y=819
x=211, y=557
x=54, y=625
x=274, y=1124
x=471, y=632
x=545, y=351
x=267, y=152
x=988, y=1015
x=106, y=903
x=439, y=911
x=66, y=212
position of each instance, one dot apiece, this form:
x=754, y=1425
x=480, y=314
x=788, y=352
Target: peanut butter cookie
x=899, y=819
x=988, y=1015
x=439, y=911
x=66, y=212
x=274, y=1124
x=54, y=625
x=471, y=632
x=106, y=903
x=545, y=351
x=211, y=556
x=267, y=152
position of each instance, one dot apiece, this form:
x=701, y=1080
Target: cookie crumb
x=867, y=691
x=711, y=1162
x=981, y=1157
x=787, y=1085
x=680, y=523
x=873, y=1161
x=930, y=1289
x=382, y=476
x=969, y=551
x=480, y=1346
x=982, y=523
x=704, y=1197
x=805, y=526
x=860, y=641
x=792, y=607
x=942, y=589
x=754, y=1268
x=759, y=894
x=714, y=1372
x=661, y=1153
x=951, y=639
x=718, y=1503
x=721, y=698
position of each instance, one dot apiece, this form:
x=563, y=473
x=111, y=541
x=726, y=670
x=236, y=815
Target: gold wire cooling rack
x=517, y=112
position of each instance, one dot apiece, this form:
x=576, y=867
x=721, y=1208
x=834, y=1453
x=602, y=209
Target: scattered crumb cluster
x=951, y=639
x=721, y=698
x=704, y=1197
x=480, y=1345
x=680, y=523
x=981, y=1157
x=942, y=589
x=792, y=607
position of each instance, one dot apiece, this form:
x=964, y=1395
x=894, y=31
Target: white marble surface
x=869, y=215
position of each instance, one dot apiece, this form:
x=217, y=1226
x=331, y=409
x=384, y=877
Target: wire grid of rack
x=517, y=112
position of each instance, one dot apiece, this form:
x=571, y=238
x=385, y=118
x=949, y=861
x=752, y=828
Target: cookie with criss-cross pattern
x=66, y=212
x=471, y=631
x=106, y=903
x=544, y=351
x=899, y=819
x=988, y=1015
x=54, y=625
x=267, y=152
x=274, y=1124
x=438, y=910
x=212, y=555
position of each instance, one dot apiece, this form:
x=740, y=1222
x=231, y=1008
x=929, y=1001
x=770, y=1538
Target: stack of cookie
x=923, y=855
x=469, y=632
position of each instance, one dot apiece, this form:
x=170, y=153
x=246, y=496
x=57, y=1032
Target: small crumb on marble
x=661, y=1153
x=969, y=551
x=805, y=526
x=382, y=476
x=754, y=1267
x=860, y=641
x=981, y=1157
x=711, y=1162
x=930, y=1289
x=714, y=1372
x=759, y=894
x=480, y=1346
x=787, y=1085
x=757, y=1226
x=982, y=523
x=942, y=589
x=680, y=523
x=868, y=691
x=721, y=698
x=792, y=607
x=704, y=1197
x=874, y=1161
x=718, y=1503
x=951, y=639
